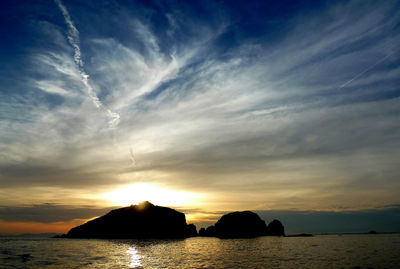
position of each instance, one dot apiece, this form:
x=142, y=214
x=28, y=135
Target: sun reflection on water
x=135, y=258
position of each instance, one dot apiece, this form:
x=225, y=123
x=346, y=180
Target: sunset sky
x=208, y=107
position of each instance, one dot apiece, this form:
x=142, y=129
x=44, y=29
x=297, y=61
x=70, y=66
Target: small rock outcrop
x=275, y=228
x=191, y=230
x=209, y=231
x=244, y=224
x=136, y=221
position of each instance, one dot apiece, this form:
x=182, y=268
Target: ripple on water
x=363, y=251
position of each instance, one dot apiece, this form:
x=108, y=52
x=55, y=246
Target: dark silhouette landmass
x=147, y=221
x=244, y=224
x=299, y=235
x=276, y=228
x=137, y=222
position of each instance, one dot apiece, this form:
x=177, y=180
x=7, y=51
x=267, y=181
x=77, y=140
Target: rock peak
x=144, y=204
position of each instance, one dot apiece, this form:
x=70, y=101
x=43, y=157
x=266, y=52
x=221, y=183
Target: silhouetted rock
x=245, y=224
x=299, y=235
x=136, y=221
x=275, y=228
x=202, y=232
x=191, y=230
x=210, y=231
x=59, y=236
x=372, y=232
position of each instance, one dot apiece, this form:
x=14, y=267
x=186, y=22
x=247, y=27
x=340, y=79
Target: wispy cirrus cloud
x=73, y=38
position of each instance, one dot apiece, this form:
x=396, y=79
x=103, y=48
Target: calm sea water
x=324, y=251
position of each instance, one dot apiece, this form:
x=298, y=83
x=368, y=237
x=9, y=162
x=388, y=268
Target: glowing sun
x=138, y=192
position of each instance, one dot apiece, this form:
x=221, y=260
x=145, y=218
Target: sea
x=319, y=251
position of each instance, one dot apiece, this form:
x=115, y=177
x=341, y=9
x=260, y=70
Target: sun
x=138, y=192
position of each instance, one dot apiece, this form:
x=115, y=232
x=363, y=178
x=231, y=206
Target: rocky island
x=244, y=224
x=144, y=220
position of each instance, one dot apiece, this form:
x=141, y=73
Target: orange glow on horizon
x=14, y=228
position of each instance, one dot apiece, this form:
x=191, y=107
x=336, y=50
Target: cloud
x=51, y=87
x=212, y=104
x=382, y=220
x=73, y=38
x=48, y=213
x=53, y=174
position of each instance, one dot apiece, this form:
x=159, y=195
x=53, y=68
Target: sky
x=287, y=108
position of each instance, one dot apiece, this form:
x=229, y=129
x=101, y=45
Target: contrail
x=73, y=39
x=365, y=71
x=132, y=157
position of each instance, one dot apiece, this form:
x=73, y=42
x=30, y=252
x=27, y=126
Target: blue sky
x=262, y=105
